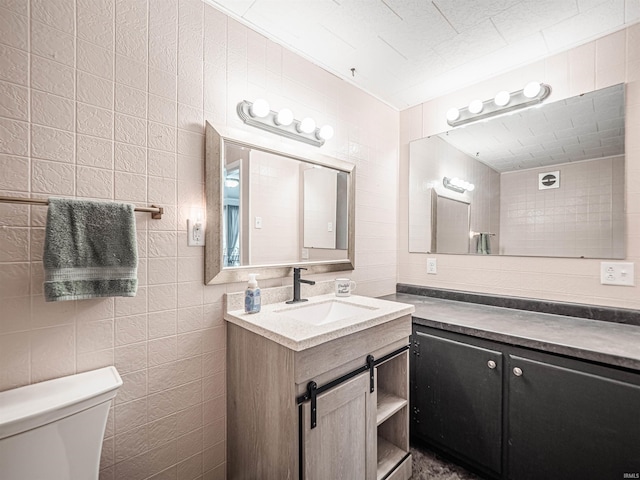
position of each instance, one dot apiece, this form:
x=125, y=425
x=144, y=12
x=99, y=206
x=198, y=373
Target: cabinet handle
x=491, y=364
x=517, y=372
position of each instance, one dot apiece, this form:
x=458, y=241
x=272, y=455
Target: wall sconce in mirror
x=259, y=115
x=458, y=185
x=504, y=102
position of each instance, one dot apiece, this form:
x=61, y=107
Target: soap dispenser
x=252, y=295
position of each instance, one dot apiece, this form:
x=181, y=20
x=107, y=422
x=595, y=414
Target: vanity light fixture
x=258, y=114
x=532, y=94
x=458, y=185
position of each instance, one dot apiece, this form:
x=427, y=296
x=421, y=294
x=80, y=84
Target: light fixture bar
x=516, y=101
x=270, y=124
x=457, y=185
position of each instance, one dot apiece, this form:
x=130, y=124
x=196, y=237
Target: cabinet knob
x=517, y=372
x=491, y=364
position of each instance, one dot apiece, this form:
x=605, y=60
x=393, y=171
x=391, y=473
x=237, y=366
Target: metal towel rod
x=155, y=211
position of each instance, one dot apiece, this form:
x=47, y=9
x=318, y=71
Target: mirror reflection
x=546, y=181
x=270, y=207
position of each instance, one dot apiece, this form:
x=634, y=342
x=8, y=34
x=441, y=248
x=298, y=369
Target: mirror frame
x=214, y=271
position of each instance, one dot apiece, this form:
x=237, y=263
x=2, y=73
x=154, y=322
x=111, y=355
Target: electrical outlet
x=305, y=254
x=432, y=266
x=617, y=273
x=195, y=233
x=258, y=222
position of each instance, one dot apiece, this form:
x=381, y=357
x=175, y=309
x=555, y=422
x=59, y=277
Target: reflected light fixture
x=476, y=106
x=532, y=94
x=257, y=114
x=458, y=185
x=231, y=182
x=453, y=114
x=502, y=98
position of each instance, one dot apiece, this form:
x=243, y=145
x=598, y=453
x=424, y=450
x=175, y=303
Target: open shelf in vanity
x=392, y=415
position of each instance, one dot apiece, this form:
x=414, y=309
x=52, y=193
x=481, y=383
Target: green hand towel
x=89, y=250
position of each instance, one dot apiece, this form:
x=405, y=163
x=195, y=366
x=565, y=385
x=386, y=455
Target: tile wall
x=107, y=99
x=275, y=199
x=607, y=61
x=584, y=216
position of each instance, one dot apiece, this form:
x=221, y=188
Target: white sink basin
x=324, y=312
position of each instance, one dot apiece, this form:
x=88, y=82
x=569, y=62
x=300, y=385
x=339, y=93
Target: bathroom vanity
x=318, y=390
x=525, y=395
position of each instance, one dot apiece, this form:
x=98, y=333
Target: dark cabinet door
x=570, y=420
x=457, y=404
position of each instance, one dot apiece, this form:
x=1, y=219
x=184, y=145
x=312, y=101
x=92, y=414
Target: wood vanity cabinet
x=533, y=415
x=357, y=435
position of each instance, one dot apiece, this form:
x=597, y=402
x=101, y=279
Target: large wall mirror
x=271, y=206
x=547, y=181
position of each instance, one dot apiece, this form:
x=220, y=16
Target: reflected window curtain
x=233, y=235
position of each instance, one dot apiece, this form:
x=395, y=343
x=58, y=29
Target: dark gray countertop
x=604, y=342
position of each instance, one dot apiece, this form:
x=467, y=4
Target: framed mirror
x=272, y=206
x=544, y=181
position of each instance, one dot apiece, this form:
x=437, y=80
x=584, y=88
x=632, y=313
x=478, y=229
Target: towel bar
x=155, y=211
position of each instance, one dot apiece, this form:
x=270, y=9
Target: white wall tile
x=52, y=77
x=14, y=30
x=94, y=121
x=94, y=183
x=14, y=137
x=52, y=111
x=95, y=26
x=15, y=173
x=52, y=178
x=59, y=14
x=14, y=356
x=95, y=60
x=94, y=151
x=53, y=44
x=52, y=144
x=93, y=90
x=15, y=65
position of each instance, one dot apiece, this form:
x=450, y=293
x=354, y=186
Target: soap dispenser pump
x=252, y=295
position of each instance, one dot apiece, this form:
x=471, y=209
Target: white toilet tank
x=53, y=430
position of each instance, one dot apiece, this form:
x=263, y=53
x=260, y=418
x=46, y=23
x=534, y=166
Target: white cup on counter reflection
x=344, y=287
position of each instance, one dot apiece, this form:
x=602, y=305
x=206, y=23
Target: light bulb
x=502, y=98
x=326, y=132
x=306, y=125
x=472, y=187
x=259, y=108
x=475, y=106
x=231, y=183
x=284, y=117
x=532, y=89
x=453, y=114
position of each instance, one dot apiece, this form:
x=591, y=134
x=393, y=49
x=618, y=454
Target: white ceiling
x=408, y=51
x=579, y=128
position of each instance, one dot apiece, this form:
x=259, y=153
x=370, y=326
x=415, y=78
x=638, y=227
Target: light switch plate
x=258, y=222
x=617, y=273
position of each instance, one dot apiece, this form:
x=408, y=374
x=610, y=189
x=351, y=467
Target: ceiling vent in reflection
x=549, y=180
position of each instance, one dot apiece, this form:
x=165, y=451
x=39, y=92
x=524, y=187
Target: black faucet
x=296, y=285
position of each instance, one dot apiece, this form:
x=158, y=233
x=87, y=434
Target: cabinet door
x=458, y=399
x=343, y=444
x=568, y=423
